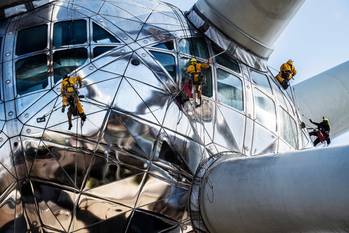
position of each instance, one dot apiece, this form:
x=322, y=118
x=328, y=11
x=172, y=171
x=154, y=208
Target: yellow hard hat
x=193, y=60
x=290, y=61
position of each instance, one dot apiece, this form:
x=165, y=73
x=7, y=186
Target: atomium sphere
x=130, y=166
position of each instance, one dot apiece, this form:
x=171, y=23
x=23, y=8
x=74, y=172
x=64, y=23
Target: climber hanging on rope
x=322, y=132
x=287, y=72
x=71, y=98
x=194, y=69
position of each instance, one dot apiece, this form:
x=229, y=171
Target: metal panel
x=130, y=166
x=258, y=35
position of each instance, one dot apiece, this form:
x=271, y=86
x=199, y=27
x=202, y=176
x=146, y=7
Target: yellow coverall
x=68, y=89
x=287, y=72
x=195, y=69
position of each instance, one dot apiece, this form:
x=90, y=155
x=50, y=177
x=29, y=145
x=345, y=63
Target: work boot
x=83, y=116
x=70, y=126
x=198, y=104
x=63, y=109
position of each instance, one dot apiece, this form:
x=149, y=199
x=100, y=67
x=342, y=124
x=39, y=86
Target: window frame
x=93, y=47
x=87, y=45
x=237, y=75
x=91, y=35
x=152, y=46
x=167, y=52
x=50, y=50
x=259, y=87
x=49, y=81
x=52, y=74
x=48, y=42
x=255, y=112
x=88, y=34
x=217, y=64
x=2, y=45
x=178, y=41
x=2, y=40
x=281, y=108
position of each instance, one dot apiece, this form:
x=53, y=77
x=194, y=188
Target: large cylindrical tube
x=254, y=24
x=326, y=94
x=305, y=192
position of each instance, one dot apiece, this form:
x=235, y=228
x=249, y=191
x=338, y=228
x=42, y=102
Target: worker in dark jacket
x=322, y=133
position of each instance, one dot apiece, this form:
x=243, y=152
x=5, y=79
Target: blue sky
x=317, y=39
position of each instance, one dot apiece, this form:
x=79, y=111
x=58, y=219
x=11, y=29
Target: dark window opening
x=31, y=40
x=167, y=154
x=194, y=46
x=230, y=90
x=101, y=49
x=166, y=45
x=31, y=74
x=69, y=33
x=66, y=61
x=225, y=60
x=167, y=61
x=102, y=36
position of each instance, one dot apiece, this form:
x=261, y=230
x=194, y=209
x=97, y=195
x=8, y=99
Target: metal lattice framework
x=130, y=167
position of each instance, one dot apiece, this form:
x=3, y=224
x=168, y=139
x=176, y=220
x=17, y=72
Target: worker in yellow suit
x=194, y=69
x=287, y=72
x=70, y=97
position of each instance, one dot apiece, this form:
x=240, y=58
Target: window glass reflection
x=66, y=61
x=31, y=40
x=194, y=46
x=230, y=89
x=278, y=94
x=166, y=45
x=0, y=45
x=207, y=87
x=101, y=49
x=31, y=74
x=167, y=61
x=224, y=60
x=287, y=128
x=265, y=110
x=0, y=57
x=102, y=36
x=261, y=80
x=69, y=33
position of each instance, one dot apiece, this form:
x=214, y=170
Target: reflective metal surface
x=130, y=167
x=9, y=8
x=304, y=191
